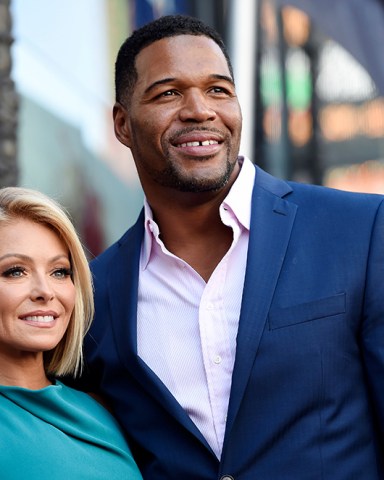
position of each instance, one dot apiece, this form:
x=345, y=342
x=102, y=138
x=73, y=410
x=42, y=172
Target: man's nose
x=42, y=289
x=196, y=108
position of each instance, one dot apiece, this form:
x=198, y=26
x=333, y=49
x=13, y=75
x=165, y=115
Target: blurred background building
x=309, y=76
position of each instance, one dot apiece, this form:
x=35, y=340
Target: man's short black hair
x=163, y=27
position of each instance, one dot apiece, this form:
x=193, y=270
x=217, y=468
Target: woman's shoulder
x=88, y=399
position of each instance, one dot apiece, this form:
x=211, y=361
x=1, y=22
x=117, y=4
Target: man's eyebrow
x=159, y=82
x=164, y=81
x=226, y=78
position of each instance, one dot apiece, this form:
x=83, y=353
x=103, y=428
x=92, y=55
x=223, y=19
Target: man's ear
x=121, y=124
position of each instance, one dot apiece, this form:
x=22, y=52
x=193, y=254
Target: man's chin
x=196, y=185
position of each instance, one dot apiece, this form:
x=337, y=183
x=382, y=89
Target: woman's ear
x=121, y=124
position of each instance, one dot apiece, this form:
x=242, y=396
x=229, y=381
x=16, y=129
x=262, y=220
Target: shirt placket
x=216, y=348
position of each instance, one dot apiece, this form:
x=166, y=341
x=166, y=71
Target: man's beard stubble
x=171, y=177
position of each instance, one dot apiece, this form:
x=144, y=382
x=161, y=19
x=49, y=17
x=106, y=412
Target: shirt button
x=227, y=477
x=217, y=359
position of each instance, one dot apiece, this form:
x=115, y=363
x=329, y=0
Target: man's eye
x=62, y=273
x=168, y=93
x=219, y=90
x=14, y=272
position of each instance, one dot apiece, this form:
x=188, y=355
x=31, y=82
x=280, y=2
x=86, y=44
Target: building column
x=8, y=102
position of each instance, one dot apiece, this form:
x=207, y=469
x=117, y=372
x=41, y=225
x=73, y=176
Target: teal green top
x=62, y=434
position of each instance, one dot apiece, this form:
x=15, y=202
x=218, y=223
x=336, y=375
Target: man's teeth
x=40, y=318
x=198, y=144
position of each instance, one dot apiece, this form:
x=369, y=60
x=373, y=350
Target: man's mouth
x=198, y=144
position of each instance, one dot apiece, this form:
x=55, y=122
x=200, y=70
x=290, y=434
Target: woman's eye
x=62, y=273
x=14, y=272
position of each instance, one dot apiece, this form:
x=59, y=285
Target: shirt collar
x=238, y=201
x=239, y=197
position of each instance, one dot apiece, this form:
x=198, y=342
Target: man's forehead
x=177, y=50
x=168, y=44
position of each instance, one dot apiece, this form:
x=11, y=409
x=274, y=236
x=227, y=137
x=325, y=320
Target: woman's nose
x=42, y=289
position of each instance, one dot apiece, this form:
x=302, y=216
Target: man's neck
x=195, y=233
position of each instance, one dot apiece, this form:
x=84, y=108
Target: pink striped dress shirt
x=186, y=327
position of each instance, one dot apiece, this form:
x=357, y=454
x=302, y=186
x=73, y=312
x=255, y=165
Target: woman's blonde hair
x=16, y=202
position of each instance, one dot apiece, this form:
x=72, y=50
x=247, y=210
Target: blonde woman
x=47, y=429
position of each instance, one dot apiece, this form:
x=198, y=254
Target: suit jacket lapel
x=122, y=278
x=123, y=296
x=271, y=225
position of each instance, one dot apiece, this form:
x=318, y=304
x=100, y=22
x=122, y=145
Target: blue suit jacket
x=307, y=398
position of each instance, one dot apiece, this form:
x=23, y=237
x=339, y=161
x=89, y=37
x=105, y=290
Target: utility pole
x=8, y=102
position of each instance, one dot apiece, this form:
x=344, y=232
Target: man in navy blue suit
x=239, y=330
